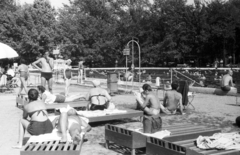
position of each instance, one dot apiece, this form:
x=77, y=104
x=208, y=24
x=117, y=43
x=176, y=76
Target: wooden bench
x=135, y=140
x=21, y=100
x=129, y=114
x=181, y=147
x=50, y=148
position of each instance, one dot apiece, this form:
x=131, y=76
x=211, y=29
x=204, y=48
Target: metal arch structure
x=139, y=52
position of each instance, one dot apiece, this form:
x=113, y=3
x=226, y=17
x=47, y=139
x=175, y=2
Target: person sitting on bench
x=227, y=82
x=98, y=97
x=49, y=98
x=38, y=123
x=151, y=105
x=173, y=100
x=70, y=121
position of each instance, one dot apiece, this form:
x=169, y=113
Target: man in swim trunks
x=173, y=100
x=98, y=97
x=227, y=81
x=46, y=70
x=151, y=105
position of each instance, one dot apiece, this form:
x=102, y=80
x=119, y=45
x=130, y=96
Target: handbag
x=152, y=124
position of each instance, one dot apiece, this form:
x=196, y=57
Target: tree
x=30, y=29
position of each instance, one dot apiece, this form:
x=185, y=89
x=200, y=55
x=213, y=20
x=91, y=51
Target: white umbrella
x=7, y=51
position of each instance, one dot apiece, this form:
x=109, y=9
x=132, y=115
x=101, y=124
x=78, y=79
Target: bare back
x=22, y=68
x=98, y=96
x=226, y=80
x=36, y=106
x=171, y=99
x=152, y=101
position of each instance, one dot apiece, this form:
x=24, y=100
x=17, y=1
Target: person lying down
x=49, y=98
x=35, y=120
x=70, y=121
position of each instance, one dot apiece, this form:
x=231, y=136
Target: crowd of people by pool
x=35, y=116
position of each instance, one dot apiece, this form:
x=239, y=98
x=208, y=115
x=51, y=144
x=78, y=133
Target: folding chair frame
x=190, y=100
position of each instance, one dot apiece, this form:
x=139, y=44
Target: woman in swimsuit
x=38, y=123
x=67, y=74
x=98, y=97
x=49, y=98
x=24, y=72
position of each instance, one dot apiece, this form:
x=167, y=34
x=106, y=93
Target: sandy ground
x=210, y=110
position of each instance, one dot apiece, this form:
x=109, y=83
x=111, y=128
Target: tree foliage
x=98, y=30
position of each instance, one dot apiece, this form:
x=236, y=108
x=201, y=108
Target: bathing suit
x=68, y=73
x=24, y=74
x=38, y=128
x=99, y=107
x=46, y=75
x=70, y=122
x=60, y=99
x=226, y=88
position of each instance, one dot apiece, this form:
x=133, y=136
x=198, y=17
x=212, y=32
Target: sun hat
x=96, y=83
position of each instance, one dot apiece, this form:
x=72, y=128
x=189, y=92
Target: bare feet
x=64, y=139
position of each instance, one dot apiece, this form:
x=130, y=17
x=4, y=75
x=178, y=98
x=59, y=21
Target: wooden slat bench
x=21, y=100
x=181, y=147
x=50, y=148
x=135, y=140
x=129, y=114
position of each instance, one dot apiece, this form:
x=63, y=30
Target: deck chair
x=184, y=90
x=13, y=83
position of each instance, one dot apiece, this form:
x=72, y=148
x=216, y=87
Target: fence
x=209, y=77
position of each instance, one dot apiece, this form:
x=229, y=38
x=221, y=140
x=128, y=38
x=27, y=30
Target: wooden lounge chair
x=129, y=114
x=156, y=146
x=135, y=140
x=21, y=100
x=50, y=148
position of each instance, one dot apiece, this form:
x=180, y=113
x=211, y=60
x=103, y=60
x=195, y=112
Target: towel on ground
x=225, y=141
x=97, y=113
x=160, y=134
x=55, y=135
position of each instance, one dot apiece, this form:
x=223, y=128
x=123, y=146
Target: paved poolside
x=219, y=111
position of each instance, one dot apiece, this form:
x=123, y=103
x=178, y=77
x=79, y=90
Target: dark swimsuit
x=46, y=75
x=38, y=128
x=68, y=73
x=98, y=107
x=226, y=88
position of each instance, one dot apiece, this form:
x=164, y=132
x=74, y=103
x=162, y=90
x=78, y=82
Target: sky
x=55, y=3
x=58, y=3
